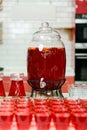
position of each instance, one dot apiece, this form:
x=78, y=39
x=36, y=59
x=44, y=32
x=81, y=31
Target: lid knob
x=45, y=26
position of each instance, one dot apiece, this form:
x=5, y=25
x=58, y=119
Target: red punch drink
x=6, y=119
x=17, y=86
x=43, y=119
x=2, y=91
x=79, y=120
x=61, y=120
x=47, y=64
x=23, y=119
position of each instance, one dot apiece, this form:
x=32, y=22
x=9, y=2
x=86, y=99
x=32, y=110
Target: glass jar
x=46, y=59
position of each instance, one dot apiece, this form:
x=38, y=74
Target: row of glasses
x=78, y=113
x=42, y=114
x=64, y=113
x=16, y=85
x=51, y=110
x=60, y=114
x=6, y=113
x=23, y=113
x=15, y=109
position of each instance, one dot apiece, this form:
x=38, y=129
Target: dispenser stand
x=47, y=91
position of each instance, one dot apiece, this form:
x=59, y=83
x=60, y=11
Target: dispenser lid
x=46, y=33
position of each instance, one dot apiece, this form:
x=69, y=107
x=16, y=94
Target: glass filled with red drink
x=79, y=120
x=2, y=90
x=17, y=85
x=23, y=114
x=42, y=119
x=61, y=120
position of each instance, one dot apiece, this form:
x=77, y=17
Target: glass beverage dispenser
x=46, y=61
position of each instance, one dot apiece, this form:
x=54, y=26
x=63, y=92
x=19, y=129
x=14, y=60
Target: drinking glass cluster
x=17, y=110
x=43, y=114
x=16, y=84
x=64, y=113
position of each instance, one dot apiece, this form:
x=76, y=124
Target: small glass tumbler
x=84, y=91
x=61, y=120
x=78, y=91
x=2, y=91
x=43, y=119
x=79, y=120
x=75, y=91
x=17, y=86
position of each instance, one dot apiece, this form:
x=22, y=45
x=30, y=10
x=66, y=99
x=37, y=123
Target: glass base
x=52, y=88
